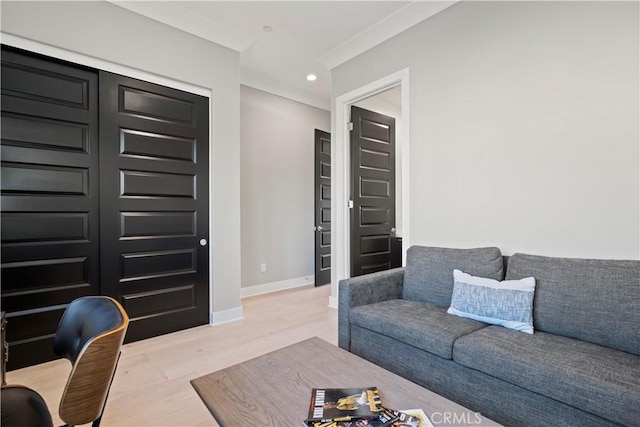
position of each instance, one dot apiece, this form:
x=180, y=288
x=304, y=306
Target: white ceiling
x=307, y=37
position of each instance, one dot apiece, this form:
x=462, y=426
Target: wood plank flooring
x=151, y=387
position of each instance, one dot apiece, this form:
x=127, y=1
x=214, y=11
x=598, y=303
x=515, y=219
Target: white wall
x=277, y=187
x=524, y=126
x=107, y=32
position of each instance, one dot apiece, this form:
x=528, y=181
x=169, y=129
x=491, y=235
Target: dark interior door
x=373, y=191
x=154, y=158
x=50, y=199
x=323, y=207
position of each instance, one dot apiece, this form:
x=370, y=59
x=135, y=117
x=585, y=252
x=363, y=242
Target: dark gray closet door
x=154, y=203
x=50, y=198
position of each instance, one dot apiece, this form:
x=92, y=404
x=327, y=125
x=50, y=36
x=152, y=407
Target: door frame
x=101, y=64
x=340, y=166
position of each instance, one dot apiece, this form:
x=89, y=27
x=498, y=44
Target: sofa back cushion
x=428, y=276
x=597, y=301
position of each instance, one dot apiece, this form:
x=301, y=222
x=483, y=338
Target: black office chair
x=90, y=335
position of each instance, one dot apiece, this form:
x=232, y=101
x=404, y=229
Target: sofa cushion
x=507, y=303
x=428, y=275
x=591, y=300
x=587, y=376
x=421, y=325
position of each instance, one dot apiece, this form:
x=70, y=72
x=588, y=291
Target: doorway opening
x=341, y=167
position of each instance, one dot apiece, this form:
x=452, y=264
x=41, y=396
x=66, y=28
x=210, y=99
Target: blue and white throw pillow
x=508, y=303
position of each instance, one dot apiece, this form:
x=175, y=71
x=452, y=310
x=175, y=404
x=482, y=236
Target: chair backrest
x=90, y=335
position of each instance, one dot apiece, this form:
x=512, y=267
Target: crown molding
x=177, y=17
x=394, y=24
x=171, y=14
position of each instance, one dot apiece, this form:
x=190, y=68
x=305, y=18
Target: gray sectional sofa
x=581, y=367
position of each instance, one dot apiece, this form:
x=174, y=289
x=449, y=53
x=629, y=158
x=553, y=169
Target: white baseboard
x=333, y=302
x=225, y=316
x=266, y=288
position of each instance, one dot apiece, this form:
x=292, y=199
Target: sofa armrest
x=362, y=290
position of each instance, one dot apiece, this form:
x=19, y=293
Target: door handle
x=203, y=242
x=319, y=228
x=392, y=231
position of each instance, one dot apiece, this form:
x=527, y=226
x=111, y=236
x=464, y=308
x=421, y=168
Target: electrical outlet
x=263, y=267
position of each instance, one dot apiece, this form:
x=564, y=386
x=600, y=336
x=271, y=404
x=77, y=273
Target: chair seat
x=23, y=407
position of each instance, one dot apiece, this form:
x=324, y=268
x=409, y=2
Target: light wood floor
x=151, y=386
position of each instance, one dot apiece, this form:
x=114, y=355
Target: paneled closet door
x=49, y=190
x=154, y=173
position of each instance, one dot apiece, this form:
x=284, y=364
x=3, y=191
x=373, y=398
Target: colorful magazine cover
x=343, y=404
x=385, y=418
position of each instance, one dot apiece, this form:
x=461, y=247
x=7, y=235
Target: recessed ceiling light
x=312, y=77
x=267, y=29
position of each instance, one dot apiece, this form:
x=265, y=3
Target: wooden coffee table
x=275, y=389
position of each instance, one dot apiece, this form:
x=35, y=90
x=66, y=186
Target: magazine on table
x=358, y=407
x=343, y=404
x=385, y=418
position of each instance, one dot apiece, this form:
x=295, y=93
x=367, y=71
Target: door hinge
x=350, y=125
x=350, y=204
